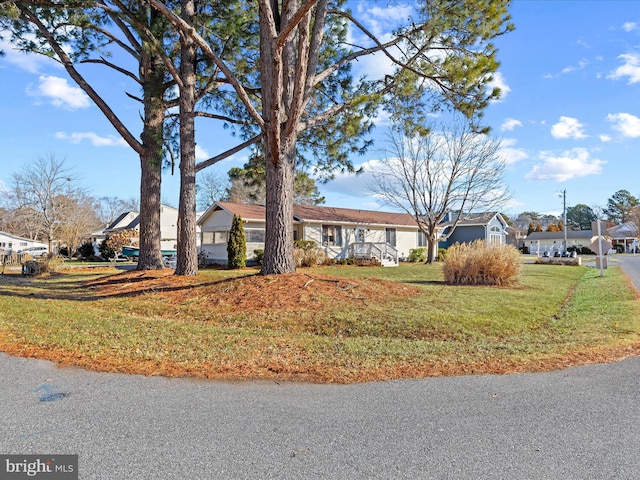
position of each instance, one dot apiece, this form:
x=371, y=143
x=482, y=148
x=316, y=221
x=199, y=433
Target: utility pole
x=564, y=217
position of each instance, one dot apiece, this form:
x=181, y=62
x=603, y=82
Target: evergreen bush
x=106, y=252
x=86, y=250
x=258, y=255
x=418, y=255
x=237, y=245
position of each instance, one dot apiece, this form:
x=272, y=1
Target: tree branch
x=206, y=49
x=228, y=153
x=82, y=83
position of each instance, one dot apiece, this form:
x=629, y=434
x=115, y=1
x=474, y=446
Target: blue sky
x=569, y=117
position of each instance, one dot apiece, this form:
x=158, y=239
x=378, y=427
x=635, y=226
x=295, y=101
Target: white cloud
x=201, y=153
x=29, y=62
x=499, y=81
x=568, y=127
x=625, y=123
x=381, y=21
x=630, y=26
x=605, y=138
x=565, y=166
x=59, y=93
x=510, y=154
x=95, y=139
x=510, y=124
x=572, y=68
x=630, y=68
x=352, y=184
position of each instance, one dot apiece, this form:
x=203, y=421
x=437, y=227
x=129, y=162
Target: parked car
x=35, y=251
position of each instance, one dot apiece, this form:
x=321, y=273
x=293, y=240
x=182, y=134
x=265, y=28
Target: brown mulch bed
x=254, y=293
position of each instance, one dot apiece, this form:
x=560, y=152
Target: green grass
x=554, y=313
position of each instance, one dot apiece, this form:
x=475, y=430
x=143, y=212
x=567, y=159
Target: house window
x=495, y=236
x=422, y=239
x=210, y=238
x=391, y=236
x=254, y=235
x=332, y=235
x=221, y=237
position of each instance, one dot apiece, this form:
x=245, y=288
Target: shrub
x=258, y=255
x=305, y=244
x=308, y=258
x=418, y=255
x=307, y=254
x=86, y=250
x=105, y=250
x=477, y=263
x=442, y=254
x=237, y=245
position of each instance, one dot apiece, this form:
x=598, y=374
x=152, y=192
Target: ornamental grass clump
x=477, y=263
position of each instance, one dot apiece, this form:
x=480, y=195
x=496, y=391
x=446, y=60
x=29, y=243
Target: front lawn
x=334, y=324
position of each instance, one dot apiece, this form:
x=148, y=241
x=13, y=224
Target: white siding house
x=551, y=242
x=168, y=226
x=10, y=243
x=340, y=232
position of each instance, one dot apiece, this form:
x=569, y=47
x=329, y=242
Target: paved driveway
x=579, y=423
x=631, y=266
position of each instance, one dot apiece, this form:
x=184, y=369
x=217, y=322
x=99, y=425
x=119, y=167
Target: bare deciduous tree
x=211, y=188
x=78, y=220
x=456, y=171
x=41, y=192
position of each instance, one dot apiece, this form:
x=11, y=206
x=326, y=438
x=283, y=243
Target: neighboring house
x=168, y=227
x=340, y=232
x=625, y=235
x=490, y=227
x=551, y=242
x=516, y=237
x=10, y=243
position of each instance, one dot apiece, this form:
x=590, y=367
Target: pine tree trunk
x=152, y=73
x=279, y=141
x=278, y=248
x=187, y=255
x=150, y=257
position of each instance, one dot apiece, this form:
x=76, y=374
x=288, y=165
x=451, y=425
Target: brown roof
x=311, y=213
x=245, y=211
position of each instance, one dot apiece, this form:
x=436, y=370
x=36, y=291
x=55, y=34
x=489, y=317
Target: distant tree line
x=621, y=207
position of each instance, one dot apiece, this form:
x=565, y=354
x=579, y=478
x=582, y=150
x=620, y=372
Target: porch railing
x=380, y=250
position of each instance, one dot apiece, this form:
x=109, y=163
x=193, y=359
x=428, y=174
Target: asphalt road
x=578, y=423
x=631, y=266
